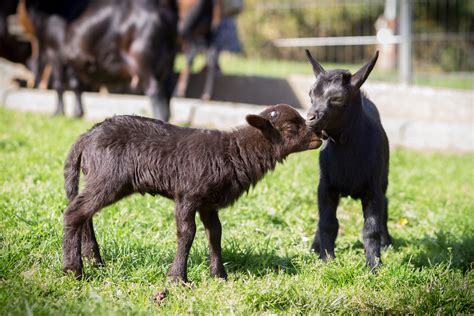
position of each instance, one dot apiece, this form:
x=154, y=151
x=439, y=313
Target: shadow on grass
x=258, y=262
x=237, y=259
x=442, y=247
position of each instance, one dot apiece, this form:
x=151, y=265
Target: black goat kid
x=201, y=170
x=354, y=161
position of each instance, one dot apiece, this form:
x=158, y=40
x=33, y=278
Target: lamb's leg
x=186, y=229
x=76, y=214
x=89, y=245
x=328, y=225
x=371, y=233
x=211, y=222
x=385, y=240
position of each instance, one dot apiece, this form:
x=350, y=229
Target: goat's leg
x=58, y=84
x=38, y=69
x=75, y=85
x=159, y=102
x=183, y=80
x=328, y=225
x=212, y=224
x=89, y=245
x=212, y=61
x=186, y=229
x=371, y=233
x=385, y=240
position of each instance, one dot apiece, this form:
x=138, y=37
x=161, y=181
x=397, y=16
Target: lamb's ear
x=363, y=73
x=317, y=68
x=259, y=122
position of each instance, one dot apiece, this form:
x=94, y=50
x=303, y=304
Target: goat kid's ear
x=259, y=122
x=317, y=68
x=363, y=73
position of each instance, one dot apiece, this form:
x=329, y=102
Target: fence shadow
x=245, y=89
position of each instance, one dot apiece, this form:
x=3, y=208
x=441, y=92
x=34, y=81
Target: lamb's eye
x=290, y=129
x=273, y=114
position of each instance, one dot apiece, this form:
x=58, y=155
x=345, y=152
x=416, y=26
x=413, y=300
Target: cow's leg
x=212, y=224
x=328, y=225
x=212, y=62
x=186, y=229
x=371, y=234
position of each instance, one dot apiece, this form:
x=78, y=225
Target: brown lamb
x=202, y=170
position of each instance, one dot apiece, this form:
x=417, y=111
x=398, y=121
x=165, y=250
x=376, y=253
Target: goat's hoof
x=385, y=242
x=57, y=113
x=206, y=97
x=77, y=115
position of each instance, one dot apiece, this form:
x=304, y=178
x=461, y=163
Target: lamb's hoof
x=178, y=279
x=219, y=274
x=374, y=265
x=75, y=271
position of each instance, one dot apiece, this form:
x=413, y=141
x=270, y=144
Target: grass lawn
x=266, y=240
x=237, y=65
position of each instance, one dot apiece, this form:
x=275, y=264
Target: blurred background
x=423, y=83
x=424, y=42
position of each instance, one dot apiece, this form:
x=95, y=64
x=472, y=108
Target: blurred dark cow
x=104, y=42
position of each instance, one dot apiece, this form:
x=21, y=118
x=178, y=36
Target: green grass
x=237, y=65
x=266, y=240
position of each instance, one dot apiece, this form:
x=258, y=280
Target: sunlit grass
x=232, y=64
x=266, y=240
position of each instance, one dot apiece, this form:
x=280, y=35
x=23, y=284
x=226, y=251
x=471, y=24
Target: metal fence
x=425, y=41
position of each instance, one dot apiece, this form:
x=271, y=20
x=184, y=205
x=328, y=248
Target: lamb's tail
x=72, y=168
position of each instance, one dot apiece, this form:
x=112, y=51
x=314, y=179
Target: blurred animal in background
x=12, y=48
x=202, y=170
x=354, y=162
x=94, y=43
x=206, y=25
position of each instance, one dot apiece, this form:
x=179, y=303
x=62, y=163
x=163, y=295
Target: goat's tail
x=72, y=168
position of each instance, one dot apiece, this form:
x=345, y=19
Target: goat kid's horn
x=317, y=68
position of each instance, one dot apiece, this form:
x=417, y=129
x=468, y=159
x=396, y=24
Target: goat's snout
x=312, y=118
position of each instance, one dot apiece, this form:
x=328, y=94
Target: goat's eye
x=337, y=101
x=273, y=114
